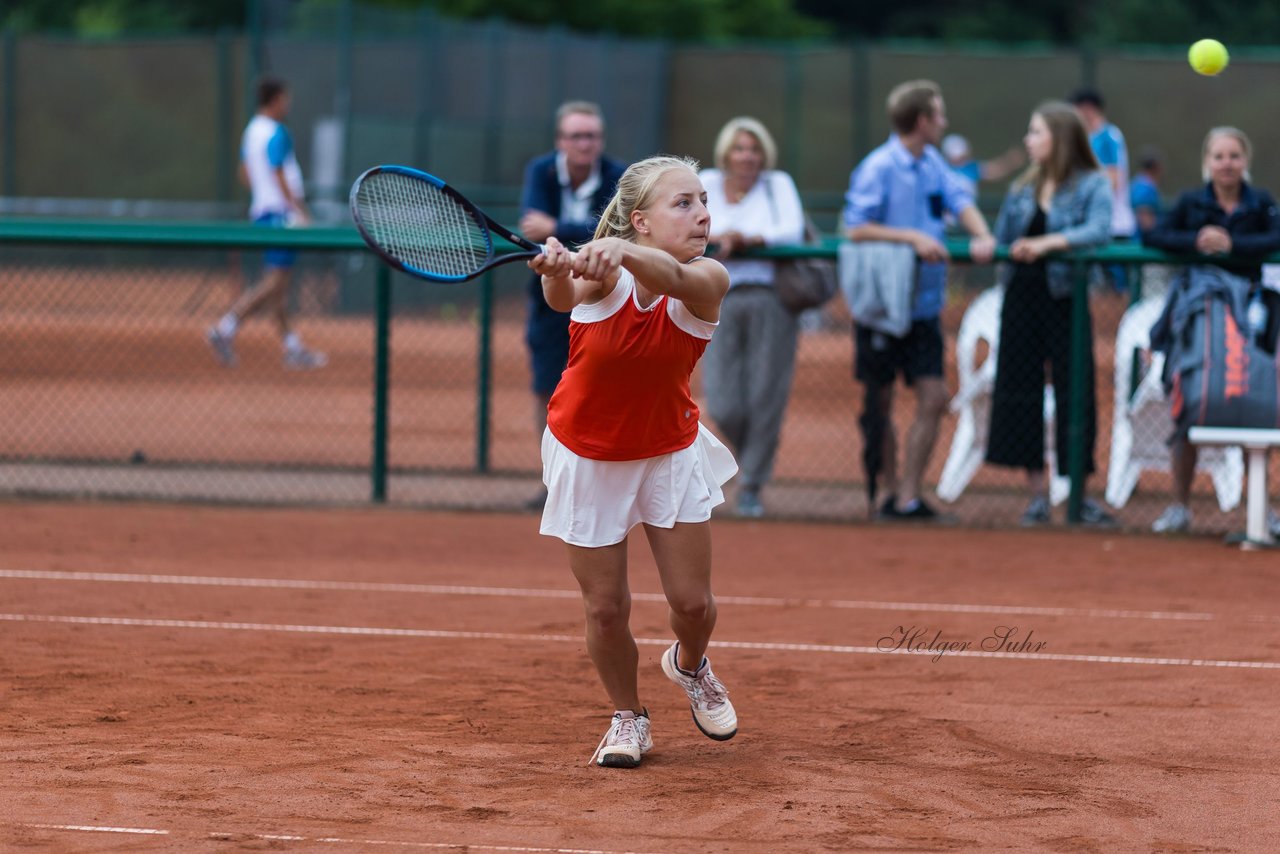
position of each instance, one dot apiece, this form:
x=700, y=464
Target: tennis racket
x=419, y=224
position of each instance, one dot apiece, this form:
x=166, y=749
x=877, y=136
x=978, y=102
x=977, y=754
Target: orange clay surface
x=188, y=678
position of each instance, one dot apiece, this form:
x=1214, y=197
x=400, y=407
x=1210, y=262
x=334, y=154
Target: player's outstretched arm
x=561, y=288
x=700, y=286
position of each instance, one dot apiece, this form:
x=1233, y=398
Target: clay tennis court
x=186, y=678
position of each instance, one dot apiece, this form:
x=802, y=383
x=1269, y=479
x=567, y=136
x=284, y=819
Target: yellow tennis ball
x=1208, y=57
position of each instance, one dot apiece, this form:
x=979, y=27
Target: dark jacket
x=542, y=193
x=1254, y=227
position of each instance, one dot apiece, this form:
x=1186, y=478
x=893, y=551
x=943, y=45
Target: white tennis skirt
x=595, y=503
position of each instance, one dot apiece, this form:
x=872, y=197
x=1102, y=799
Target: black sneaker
x=920, y=512
x=888, y=508
x=1037, y=512
x=1092, y=514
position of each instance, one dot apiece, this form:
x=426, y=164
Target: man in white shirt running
x=269, y=167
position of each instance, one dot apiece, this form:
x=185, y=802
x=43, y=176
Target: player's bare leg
x=606, y=598
x=683, y=555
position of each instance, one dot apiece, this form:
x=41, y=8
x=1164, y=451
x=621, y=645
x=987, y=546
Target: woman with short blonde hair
x=748, y=371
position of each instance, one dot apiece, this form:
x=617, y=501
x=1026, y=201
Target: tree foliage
x=112, y=17
x=1064, y=22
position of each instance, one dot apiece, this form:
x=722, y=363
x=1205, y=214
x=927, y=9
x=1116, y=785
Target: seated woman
x=1062, y=201
x=1237, y=225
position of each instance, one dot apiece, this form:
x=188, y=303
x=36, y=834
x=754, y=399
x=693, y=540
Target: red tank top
x=625, y=392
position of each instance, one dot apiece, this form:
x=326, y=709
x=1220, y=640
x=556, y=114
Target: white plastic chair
x=1141, y=424
x=972, y=402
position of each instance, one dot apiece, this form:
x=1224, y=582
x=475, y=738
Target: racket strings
x=421, y=226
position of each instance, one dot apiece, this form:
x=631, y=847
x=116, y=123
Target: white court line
x=374, y=631
x=537, y=593
x=331, y=840
x=88, y=828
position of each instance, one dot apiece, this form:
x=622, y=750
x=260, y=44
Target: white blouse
x=771, y=209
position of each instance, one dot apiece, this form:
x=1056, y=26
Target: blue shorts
x=283, y=258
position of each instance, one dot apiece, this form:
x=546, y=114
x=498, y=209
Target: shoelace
x=709, y=691
x=620, y=730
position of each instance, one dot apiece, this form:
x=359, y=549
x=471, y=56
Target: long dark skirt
x=1035, y=329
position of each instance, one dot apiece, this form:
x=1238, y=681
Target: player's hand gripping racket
x=421, y=225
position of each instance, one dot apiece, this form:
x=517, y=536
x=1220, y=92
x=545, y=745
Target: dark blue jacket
x=542, y=193
x=1254, y=227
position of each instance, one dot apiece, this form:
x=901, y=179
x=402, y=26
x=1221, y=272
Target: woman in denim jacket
x=1062, y=201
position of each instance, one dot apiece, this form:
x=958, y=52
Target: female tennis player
x=623, y=445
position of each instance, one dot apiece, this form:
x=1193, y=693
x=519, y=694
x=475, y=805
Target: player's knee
x=692, y=608
x=609, y=614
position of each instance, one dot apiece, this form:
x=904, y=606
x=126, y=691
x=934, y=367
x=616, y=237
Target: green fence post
x=1075, y=424
x=256, y=49
x=497, y=44
x=794, y=109
x=381, y=382
x=861, y=99
x=428, y=81
x=8, y=178
x=342, y=95
x=484, y=379
x=224, y=145
x=1089, y=66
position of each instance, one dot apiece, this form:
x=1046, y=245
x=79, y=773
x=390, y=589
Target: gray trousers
x=746, y=373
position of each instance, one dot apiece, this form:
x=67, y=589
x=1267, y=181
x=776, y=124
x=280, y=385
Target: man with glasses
x=564, y=194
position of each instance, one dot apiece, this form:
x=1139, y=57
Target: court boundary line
x=92, y=828
x=549, y=593
x=223, y=836
x=375, y=631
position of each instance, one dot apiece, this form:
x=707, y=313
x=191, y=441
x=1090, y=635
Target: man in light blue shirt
x=900, y=193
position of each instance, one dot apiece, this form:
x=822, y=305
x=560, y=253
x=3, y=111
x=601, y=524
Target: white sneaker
x=626, y=741
x=221, y=345
x=303, y=359
x=1176, y=519
x=712, y=711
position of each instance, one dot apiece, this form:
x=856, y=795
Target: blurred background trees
x=1061, y=22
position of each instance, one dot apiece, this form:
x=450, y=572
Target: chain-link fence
x=110, y=388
